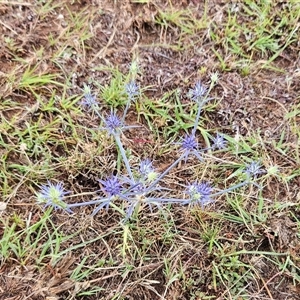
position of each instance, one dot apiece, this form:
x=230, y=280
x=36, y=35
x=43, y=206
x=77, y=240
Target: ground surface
x=246, y=244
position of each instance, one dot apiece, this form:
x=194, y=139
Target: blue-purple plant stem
x=136, y=208
x=125, y=159
x=164, y=200
x=87, y=203
x=125, y=111
x=114, y=206
x=197, y=118
x=200, y=105
x=231, y=188
x=133, y=185
x=162, y=175
x=99, y=115
x=98, y=201
x=207, y=149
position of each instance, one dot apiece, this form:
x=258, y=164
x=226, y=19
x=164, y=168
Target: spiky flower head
x=111, y=186
x=132, y=89
x=197, y=92
x=214, y=77
x=113, y=124
x=219, y=142
x=199, y=193
x=53, y=195
x=189, y=142
x=145, y=166
x=147, y=171
x=253, y=169
x=89, y=101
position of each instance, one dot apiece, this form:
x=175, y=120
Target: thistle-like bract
x=199, y=193
x=113, y=124
x=53, y=195
x=253, y=169
x=219, y=142
x=89, y=101
x=198, y=92
x=111, y=186
x=131, y=89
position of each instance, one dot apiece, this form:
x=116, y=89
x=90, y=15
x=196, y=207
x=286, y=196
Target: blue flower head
x=199, y=193
x=253, y=169
x=189, y=142
x=111, y=186
x=189, y=145
x=89, y=101
x=146, y=167
x=197, y=92
x=147, y=171
x=219, y=142
x=53, y=195
x=132, y=89
x=113, y=124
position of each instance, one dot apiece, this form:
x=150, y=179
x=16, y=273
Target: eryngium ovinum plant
x=137, y=185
